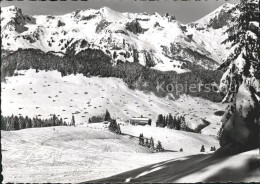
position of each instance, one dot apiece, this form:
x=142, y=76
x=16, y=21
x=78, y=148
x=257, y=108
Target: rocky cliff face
x=155, y=41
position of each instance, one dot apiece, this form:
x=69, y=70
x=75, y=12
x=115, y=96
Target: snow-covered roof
x=140, y=119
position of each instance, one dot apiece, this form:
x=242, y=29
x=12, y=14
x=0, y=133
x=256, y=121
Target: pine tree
x=151, y=143
x=178, y=124
x=166, y=124
x=22, y=122
x=26, y=119
x=72, y=123
x=147, y=143
x=107, y=116
x=54, y=122
x=159, y=122
x=243, y=59
x=159, y=147
x=16, y=123
x=10, y=123
x=183, y=124
x=240, y=82
x=29, y=123
x=164, y=121
x=141, y=139
x=114, y=127
x=3, y=123
x=175, y=123
x=149, y=122
x=61, y=123
x=202, y=149
x=118, y=129
x=171, y=124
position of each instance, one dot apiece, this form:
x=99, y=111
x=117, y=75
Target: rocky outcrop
x=102, y=25
x=60, y=23
x=222, y=19
x=135, y=27
x=180, y=52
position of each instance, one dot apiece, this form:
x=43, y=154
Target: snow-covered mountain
x=156, y=41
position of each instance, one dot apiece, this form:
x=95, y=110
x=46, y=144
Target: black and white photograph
x=130, y=91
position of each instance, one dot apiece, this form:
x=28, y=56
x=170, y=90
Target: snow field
x=75, y=154
x=45, y=93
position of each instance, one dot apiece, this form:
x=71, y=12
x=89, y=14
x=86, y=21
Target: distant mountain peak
x=152, y=40
x=221, y=12
x=105, y=8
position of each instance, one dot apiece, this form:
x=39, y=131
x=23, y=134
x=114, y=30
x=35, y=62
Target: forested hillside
x=91, y=62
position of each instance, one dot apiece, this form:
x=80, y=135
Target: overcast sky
x=184, y=11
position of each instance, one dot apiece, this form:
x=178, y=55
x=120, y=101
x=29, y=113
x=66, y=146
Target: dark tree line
x=100, y=118
x=149, y=143
x=113, y=125
x=91, y=62
x=172, y=122
x=20, y=122
x=96, y=119
x=212, y=148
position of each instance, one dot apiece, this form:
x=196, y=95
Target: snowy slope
x=83, y=153
x=44, y=93
x=173, y=139
x=212, y=27
x=153, y=40
x=243, y=167
x=195, y=169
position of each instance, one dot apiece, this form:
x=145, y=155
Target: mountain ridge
x=155, y=41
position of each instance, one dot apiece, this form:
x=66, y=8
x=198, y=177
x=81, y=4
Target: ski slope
x=85, y=152
x=45, y=93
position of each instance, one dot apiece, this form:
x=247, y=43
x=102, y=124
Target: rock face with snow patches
x=156, y=41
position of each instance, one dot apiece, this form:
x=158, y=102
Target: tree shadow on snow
x=250, y=169
x=167, y=171
x=175, y=169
